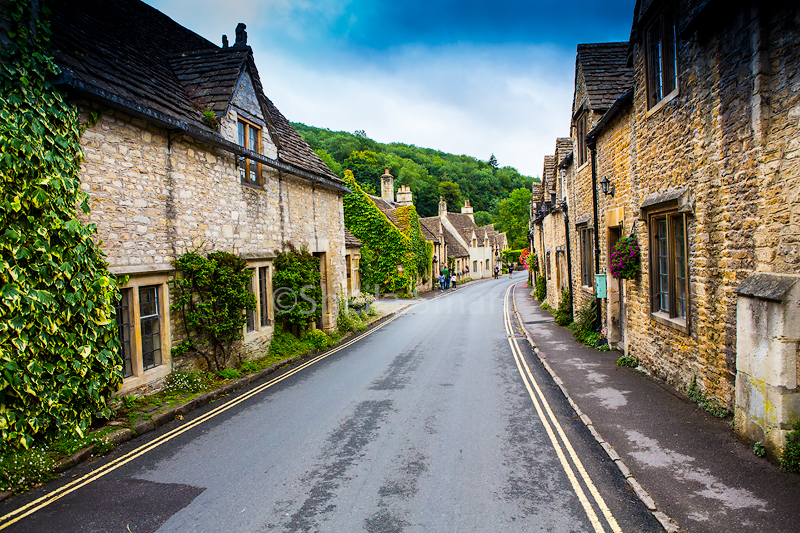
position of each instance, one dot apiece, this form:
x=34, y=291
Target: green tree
x=483, y=218
x=493, y=161
x=512, y=216
x=59, y=350
x=335, y=167
x=367, y=168
x=451, y=192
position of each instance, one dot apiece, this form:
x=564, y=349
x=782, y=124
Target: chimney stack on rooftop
x=224, y=41
x=241, y=35
x=467, y=210
x=442, y=207
x=387, y=186
x=404, y=195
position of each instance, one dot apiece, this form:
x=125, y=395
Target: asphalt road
x=439, y=420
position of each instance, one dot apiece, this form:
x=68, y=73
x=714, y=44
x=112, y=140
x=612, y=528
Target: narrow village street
x=424, y=423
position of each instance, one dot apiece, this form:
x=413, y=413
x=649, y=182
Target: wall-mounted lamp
x=435, y=260
x=606, y=187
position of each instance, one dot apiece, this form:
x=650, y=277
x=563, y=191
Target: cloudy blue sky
x=463, y=76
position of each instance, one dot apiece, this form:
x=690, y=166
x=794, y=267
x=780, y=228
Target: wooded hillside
x=429, y=173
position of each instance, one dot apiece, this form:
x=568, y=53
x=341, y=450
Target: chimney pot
x=241, y=35
x=224, y=41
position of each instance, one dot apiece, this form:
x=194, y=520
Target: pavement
x=685, y=465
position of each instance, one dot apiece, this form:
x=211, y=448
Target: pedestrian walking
x=496, y=272
x=446, y=278
x=453, y=280
x=509, y=270
x=441, y=280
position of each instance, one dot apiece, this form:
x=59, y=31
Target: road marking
x=549, y=421
x=59, y=493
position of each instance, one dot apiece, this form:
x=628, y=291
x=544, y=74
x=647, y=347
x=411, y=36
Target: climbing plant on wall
x=212, y=294
x=59, y=360
x=391, y=257
x=298, y=287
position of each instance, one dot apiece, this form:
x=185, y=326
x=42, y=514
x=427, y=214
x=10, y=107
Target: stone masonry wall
x=154, y=197
x=711, y=138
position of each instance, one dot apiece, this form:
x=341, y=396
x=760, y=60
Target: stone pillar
x=767, y=358
x=387, y=186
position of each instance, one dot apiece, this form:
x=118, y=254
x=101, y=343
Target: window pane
x=253, y=138
x=680, y=267
x=251, y=314
x=662, y=271
x=263, y=278
x=241, y=134
x=150, y=325
x=124, y=332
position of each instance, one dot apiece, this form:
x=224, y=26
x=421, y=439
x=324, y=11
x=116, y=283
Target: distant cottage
x=188, y=153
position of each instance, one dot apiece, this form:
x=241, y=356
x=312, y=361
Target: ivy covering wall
x=386, y=246
x=59, y=359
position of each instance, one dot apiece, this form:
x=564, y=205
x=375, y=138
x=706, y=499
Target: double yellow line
x=558, y=438
x=18, y=514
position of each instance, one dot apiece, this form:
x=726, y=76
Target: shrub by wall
x=59, y=359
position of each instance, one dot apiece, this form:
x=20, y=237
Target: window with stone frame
x=143, y=328
x=250, y=138
x=585, y=246
x=547, y=265
x=661, y=57
x=580, y=135
x=669, y=269
x=261, y=319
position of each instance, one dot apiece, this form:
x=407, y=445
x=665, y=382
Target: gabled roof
x=605, y=72
x=563, y=148
x=548, y=173
x=129, y=56
x=430, y=228
x=454, y=248
x=464, y=225
x=350, y=240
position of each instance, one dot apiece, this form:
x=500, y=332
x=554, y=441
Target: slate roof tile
x=605, y=71
x=141, y=58
x=350, y=240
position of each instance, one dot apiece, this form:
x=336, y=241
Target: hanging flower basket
x=626, y=259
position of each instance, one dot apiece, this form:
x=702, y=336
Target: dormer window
x=250, y=138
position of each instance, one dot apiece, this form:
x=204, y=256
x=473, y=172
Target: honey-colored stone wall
x=155, y=195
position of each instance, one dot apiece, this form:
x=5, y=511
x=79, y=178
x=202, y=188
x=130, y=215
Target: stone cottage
x=694, y=153
x=187, y=153
x=457, y=241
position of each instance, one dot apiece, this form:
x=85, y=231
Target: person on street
x=453, y=280
x=446, y=278
x=510, y=271
x=441, y=280
x=496, y=272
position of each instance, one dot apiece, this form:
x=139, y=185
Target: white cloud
x=510, y=101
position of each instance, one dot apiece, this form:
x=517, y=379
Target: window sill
x=258, y=334
x=679, y=324
x=664, y=101
x=252, y=186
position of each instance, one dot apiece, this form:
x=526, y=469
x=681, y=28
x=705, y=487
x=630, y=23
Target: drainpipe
x=598, y=318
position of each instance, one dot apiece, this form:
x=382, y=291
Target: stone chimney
x=442, y=207
x=467, y=210
x=404, y=195
x=387, y=186
x=224, y=41
x=241, y=36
